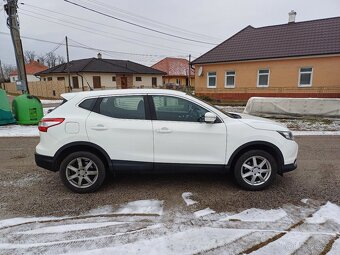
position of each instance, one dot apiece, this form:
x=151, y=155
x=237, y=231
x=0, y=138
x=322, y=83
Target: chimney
x=99, y=55
x=292, y=16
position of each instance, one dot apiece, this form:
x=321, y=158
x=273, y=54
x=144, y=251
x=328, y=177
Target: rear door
x=182, y=137
x=121, y=126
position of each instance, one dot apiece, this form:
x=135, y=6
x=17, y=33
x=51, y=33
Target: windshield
x=229, y=114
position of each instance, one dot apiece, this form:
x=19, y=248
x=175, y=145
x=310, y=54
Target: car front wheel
x=82, y=172
x=255, y=170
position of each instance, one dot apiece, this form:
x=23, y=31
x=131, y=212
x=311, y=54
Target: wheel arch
x=82, y=146
x=257, y=145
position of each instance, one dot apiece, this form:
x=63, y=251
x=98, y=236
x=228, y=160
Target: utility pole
x=13, y=24
x=68, y=65
x=2, y=76
x=189, y=71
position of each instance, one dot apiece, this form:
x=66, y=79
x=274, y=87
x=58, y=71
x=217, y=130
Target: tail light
x=45, y=124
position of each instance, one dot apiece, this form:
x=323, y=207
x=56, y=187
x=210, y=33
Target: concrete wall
x=283, y=81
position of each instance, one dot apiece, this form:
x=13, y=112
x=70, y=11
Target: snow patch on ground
x=258, y=215
x=304, y=133
x=142, y=207
x=106, y=209
x=335, y=250
x=190, y=241
x=24, y=181
x=70, y=227
x=329, y=211
x=45, y=101
x=186, y=197
x=21, y=220
x=203, y=212
x=18, y=131
x=287, y=244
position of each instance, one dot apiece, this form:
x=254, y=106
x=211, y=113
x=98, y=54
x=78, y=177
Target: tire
x=82, y=172
x=255, y=176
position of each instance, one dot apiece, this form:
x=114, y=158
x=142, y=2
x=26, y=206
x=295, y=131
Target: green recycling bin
x=27, y=109
x=6, y=116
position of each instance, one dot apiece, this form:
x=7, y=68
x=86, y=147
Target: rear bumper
x=289, y=167
x=45, y=162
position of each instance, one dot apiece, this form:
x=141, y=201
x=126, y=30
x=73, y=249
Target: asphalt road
x=27, y=190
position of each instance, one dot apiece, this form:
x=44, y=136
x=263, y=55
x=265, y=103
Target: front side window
x=211, y=83
x=122, y=107
x=230, y=79
x=177, y=109
x=305, y=79
x=263, y=78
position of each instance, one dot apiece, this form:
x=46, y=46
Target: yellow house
x=298, y=59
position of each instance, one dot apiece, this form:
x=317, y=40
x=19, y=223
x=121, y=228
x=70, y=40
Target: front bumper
x=45, y=162
x=289, y=167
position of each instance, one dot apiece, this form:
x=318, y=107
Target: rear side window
x=122, y=107
x=88, y=104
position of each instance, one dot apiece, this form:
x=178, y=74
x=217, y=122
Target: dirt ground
x=27, y=190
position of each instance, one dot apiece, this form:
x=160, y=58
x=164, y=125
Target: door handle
x=99, y=128
x=163, y=130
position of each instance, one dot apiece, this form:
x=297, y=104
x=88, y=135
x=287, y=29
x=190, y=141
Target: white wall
x=146, y=80
x=30, y=77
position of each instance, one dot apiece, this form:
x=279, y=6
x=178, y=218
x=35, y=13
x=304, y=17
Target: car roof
x=84, y=94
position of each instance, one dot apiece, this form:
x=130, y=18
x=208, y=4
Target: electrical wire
x=137, y=25
x=104, y=34
x=151, y=21
x=106, y=25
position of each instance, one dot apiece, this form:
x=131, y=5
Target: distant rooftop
x=99, y=65
x=294, y=39
x=174, y=67
x=31, y=68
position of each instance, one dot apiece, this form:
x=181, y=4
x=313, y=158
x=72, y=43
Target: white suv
x=96, y=132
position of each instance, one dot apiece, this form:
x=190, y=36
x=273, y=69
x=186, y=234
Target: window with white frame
x=305, y=77
x=229, y=79
x=263, y=78
x=211, y=80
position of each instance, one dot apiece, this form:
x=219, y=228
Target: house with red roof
x=296, y=59
x=177, y=72
x=31, y=68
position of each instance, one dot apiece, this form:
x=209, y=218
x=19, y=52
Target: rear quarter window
x=88, y=104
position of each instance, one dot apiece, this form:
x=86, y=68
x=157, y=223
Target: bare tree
x=29, y=56
x=60, y=60
x=42, y=59
x=51, y=59
x=7, y=69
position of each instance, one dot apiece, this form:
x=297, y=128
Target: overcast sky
x=210, y=21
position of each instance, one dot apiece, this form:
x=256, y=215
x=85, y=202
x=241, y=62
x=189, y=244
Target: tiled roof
x=32, y=68
x=315, y=37
x=98, y=65
x=174, y=67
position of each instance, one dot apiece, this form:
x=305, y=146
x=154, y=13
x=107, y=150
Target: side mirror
x=210, y=117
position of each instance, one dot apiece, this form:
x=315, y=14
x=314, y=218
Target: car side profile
x=93, y=133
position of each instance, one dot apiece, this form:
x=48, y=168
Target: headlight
x=286, y=134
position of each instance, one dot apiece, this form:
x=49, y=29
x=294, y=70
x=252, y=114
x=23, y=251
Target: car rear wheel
x=82, y=172
x=255, y=170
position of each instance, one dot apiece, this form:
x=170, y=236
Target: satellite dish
x=200, y=71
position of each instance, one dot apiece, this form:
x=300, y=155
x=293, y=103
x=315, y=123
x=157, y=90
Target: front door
x=119, y=125
x=180, y=135
x=97, y=82
x=75, y=82
x=123, y=82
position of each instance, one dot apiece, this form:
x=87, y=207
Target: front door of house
x=123, y=81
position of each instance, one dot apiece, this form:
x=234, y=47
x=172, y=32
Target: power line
x=137, y=25
x=90, y=48
x=100, y=32
x=106, y=25
x=154, y=22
